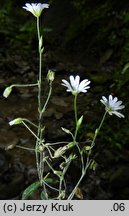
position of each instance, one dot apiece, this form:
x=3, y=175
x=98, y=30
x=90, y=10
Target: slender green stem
x=76, y=119
x=62, y=177
x=84, y=168
x=40, y=69
x=50, y=166
x=51, y=187
x=75, y=107
x=48, y=97
x=27, y=120
x=93, y=141
x=76, y=131
x=30, y=130
x=56, y=143
x=60, y=187
x=29, y=149
x=41, y=166
x=74, y=190
x=81, y=155
x=38, y=30
x=24, y=85
x=40, y=155
x=75, y=135
x=40, y=83
x=47, y=147
x=98, y=129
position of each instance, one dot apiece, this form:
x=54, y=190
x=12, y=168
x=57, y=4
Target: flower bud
x=50, y=76
x=58, y=173
x=66, y=130
x=16, y=121
x=7, y=91
x=60, y=151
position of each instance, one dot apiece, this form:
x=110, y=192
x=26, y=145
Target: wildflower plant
x=45, y=152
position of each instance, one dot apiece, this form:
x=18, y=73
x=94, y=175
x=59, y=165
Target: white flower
x=35, y=8
x=75, y=86
x=112, y=105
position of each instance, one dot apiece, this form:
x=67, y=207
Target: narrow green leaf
x=42, y=195
x=93, y=165
x=50, y=181
x=30, y=190
x=126, y=67
x=71, y=144
x=79, y=122
x=96, y=131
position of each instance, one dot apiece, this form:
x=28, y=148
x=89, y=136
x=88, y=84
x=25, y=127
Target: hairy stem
x=40, y=155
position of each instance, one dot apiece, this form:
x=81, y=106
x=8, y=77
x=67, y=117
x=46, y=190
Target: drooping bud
x=66, y=130
x=58, y=173
x=16, y=121
x=7, y=91
x=60, y=151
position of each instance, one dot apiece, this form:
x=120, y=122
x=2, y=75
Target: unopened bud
x=7, y=91
x=60, y=151
x=50, y=76
x=16, y=121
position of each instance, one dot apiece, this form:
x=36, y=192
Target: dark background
x=84, y=37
